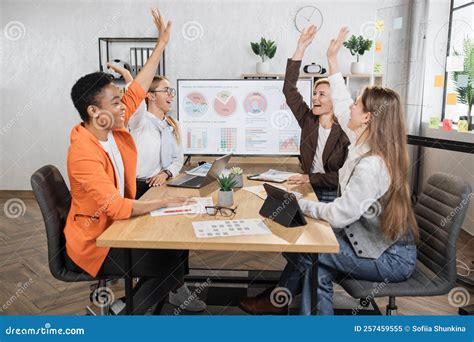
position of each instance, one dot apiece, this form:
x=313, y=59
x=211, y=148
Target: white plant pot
x=263, y=68
x=225, y=198
x=358, y=68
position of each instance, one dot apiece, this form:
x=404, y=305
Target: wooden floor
x=27, y=287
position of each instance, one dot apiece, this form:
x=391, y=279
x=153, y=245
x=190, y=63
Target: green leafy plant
x=358, y=45
x=236, y=170
x=266, y=49
x=466, y=93
x=226, y=182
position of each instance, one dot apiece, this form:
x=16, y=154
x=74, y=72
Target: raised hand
x=306, y=38
x=127, y=76
x=164, y=30
x=335, y=44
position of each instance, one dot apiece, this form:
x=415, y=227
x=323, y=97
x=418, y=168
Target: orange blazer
x=96, y=200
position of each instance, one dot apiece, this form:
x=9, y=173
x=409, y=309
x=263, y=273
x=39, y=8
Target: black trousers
x=143, y=187
x=159, y=272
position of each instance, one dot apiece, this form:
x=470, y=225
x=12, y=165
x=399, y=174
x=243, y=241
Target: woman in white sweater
x=373, y=217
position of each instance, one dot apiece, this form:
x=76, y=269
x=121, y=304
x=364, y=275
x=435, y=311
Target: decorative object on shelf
x=307, y=16
x=131, y=50
x=225, y=195
x=266, y=49
x=463, y=124
x=357, y=46
x=447, y=125
x=465, y=90
x=434, y=122
x=238, y=176
x=314, y=68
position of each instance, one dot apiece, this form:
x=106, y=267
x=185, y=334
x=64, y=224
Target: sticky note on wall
x=398, y=23
x=439, y=81
x=378, y=46
x=377, y=68
x=451, y=98
x=379, y=25
x=434, y=122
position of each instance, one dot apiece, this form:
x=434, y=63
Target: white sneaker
x=186, y=300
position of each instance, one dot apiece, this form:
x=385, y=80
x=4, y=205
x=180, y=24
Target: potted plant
x=225, y=195
x=266, y=49
x=238, y=177
x=466, y=91
x=357, y=46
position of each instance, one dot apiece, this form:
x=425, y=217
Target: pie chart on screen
x=255, y=104
x=225, y=103
x=195, y=104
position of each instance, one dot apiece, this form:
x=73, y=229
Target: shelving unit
x=357, y=80
x=111, y=48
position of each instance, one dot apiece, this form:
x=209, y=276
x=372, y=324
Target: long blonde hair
x=386, y=136
x=169, y=119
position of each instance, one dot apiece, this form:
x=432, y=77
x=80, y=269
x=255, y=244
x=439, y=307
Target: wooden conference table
x=176, y=232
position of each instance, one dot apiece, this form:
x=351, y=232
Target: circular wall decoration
x=308, y=15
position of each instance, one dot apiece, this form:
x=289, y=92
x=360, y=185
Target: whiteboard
x=243, y=117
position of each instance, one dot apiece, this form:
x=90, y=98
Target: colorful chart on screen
x=195, y=104
x=243, y=117
x=224, y=103
x=255, y=104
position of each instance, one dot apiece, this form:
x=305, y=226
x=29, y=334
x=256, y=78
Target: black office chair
x=54, y=200
x=440, y=212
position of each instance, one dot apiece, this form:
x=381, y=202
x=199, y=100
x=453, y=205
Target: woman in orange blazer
x=101, y=166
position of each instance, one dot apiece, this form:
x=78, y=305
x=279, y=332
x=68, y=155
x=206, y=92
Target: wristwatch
x=168, y=173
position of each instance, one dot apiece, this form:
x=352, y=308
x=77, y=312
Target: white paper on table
x=275, y=175
x=200, y=170
x=259, y=190
x=223, y=228
x=196, y=208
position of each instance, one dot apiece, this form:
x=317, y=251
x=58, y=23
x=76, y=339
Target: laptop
x=197, y=182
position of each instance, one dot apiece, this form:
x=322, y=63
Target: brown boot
x=261, y=305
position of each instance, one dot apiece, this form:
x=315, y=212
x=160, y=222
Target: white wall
x=58, y=44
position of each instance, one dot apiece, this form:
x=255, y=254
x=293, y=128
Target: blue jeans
x=396, y=264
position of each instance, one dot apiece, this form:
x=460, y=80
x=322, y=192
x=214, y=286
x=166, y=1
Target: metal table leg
x=128, y=281
x=314, y=284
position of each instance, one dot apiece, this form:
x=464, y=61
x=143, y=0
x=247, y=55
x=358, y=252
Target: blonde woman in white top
x=157, y=136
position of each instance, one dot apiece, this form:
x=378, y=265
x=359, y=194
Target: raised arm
x=341, y=97
x=145, y=76
x=133, y=96
x=293, y=98
x=127, y=76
